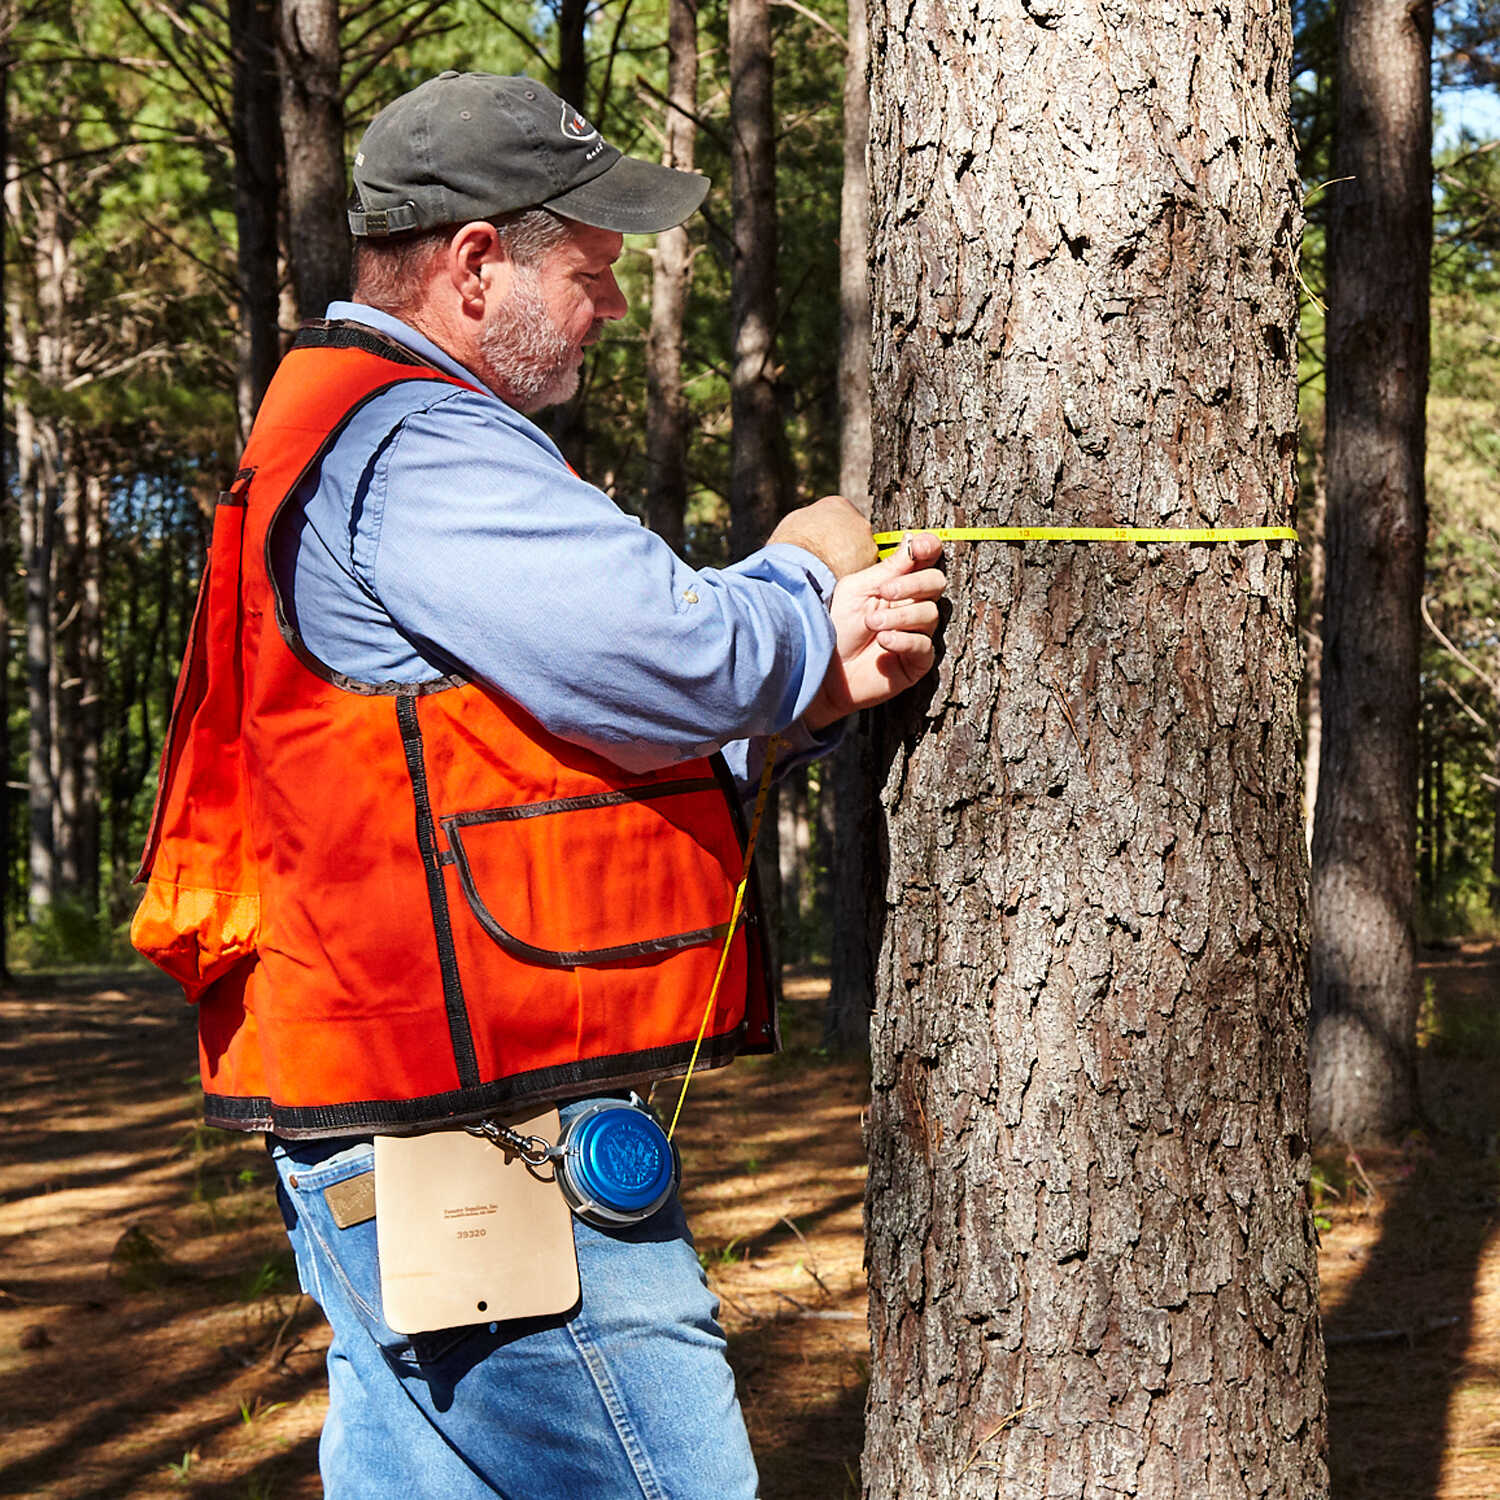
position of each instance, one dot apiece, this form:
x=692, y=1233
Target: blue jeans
x=629, y=1397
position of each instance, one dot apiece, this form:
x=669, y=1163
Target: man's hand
x=884, y=617
x=833, y=531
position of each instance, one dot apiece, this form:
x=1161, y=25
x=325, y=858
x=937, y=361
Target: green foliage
x=182, y=1469
x=121, y=138
x=70, y=934
x=1467, y=1025
x=276, y=1273
x=252, y=1411
x=118, y=130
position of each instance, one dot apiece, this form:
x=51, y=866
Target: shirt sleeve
x=488, y=552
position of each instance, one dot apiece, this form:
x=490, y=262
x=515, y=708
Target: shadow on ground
x=1404, y=1318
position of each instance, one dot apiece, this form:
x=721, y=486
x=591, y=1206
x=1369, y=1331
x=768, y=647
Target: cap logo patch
x=575, y=127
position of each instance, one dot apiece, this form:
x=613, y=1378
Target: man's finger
x=917, y=614
x=905, y=643
x=929, y=583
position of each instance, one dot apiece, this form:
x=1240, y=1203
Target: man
x=440, y=837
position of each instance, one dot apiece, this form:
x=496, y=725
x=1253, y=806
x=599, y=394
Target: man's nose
x=612, y=305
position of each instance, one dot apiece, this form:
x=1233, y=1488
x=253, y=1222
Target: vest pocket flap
x=195, y=935
x=603, y=878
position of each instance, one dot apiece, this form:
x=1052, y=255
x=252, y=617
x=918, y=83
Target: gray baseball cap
x=468, y=146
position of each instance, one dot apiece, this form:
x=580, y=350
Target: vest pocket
x=602, y=878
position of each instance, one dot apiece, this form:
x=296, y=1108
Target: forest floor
x=153, y=1342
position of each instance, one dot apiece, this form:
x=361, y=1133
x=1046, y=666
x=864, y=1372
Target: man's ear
x=478, y=267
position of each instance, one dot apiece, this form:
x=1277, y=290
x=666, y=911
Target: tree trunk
x=43, y=434
x=1494, y=892
x=7, y=541
x=68, y=738
x=858, y=892
x=1092, y=1268
x=568, y=424
x=1314, y=555
x=755, y=472
x=854, y=872
x=256, y=139
x=1439, y=839
x=35, y=503
x=571, y=78
x=312, y=132
x=794, y=839
x=1427, y=874
x=91, y=696
x=666, y=411
x=755, y=491
x=854, y=269
x=1365, y=993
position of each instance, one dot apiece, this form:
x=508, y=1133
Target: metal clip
x=534, y=1150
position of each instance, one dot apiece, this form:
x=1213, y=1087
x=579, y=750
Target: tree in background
x=255, y=139
x=1091, y=1263
x=666, y=411
x=182, y=285
x=1458, y=841
x=756, y=497
x=854, y=885
x=1365, y=994
x=757, y=494
x=312, y=133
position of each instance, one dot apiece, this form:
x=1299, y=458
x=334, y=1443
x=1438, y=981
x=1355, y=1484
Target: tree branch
x=816, y=19
x=384, y=51
x=521, y=36
x=1489, y=682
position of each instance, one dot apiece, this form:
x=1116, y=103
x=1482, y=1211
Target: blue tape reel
x=615, y=1164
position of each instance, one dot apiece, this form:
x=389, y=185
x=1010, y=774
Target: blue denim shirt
x=445, y=533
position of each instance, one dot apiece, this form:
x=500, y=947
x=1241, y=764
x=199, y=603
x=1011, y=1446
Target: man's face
x=533, y=339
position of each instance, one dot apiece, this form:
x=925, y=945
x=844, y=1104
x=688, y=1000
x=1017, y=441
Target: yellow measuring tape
x=763, y=792
x=886, y=542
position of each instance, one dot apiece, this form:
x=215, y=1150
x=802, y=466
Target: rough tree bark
x=1365, y=994
x=854, y=872
x=666, y=412
x=256, y=138
x=312, y=133
x=1092, y=1268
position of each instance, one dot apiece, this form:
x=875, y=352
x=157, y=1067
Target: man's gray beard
x=528, y=363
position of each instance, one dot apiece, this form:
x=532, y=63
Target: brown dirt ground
x=153, y=1342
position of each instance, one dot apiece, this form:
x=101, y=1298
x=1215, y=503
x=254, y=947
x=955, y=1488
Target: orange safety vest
x=400, y=906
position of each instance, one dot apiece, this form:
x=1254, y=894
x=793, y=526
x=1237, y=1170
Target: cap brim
x=633, y=197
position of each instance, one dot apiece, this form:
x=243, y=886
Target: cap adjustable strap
x=377, y=221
